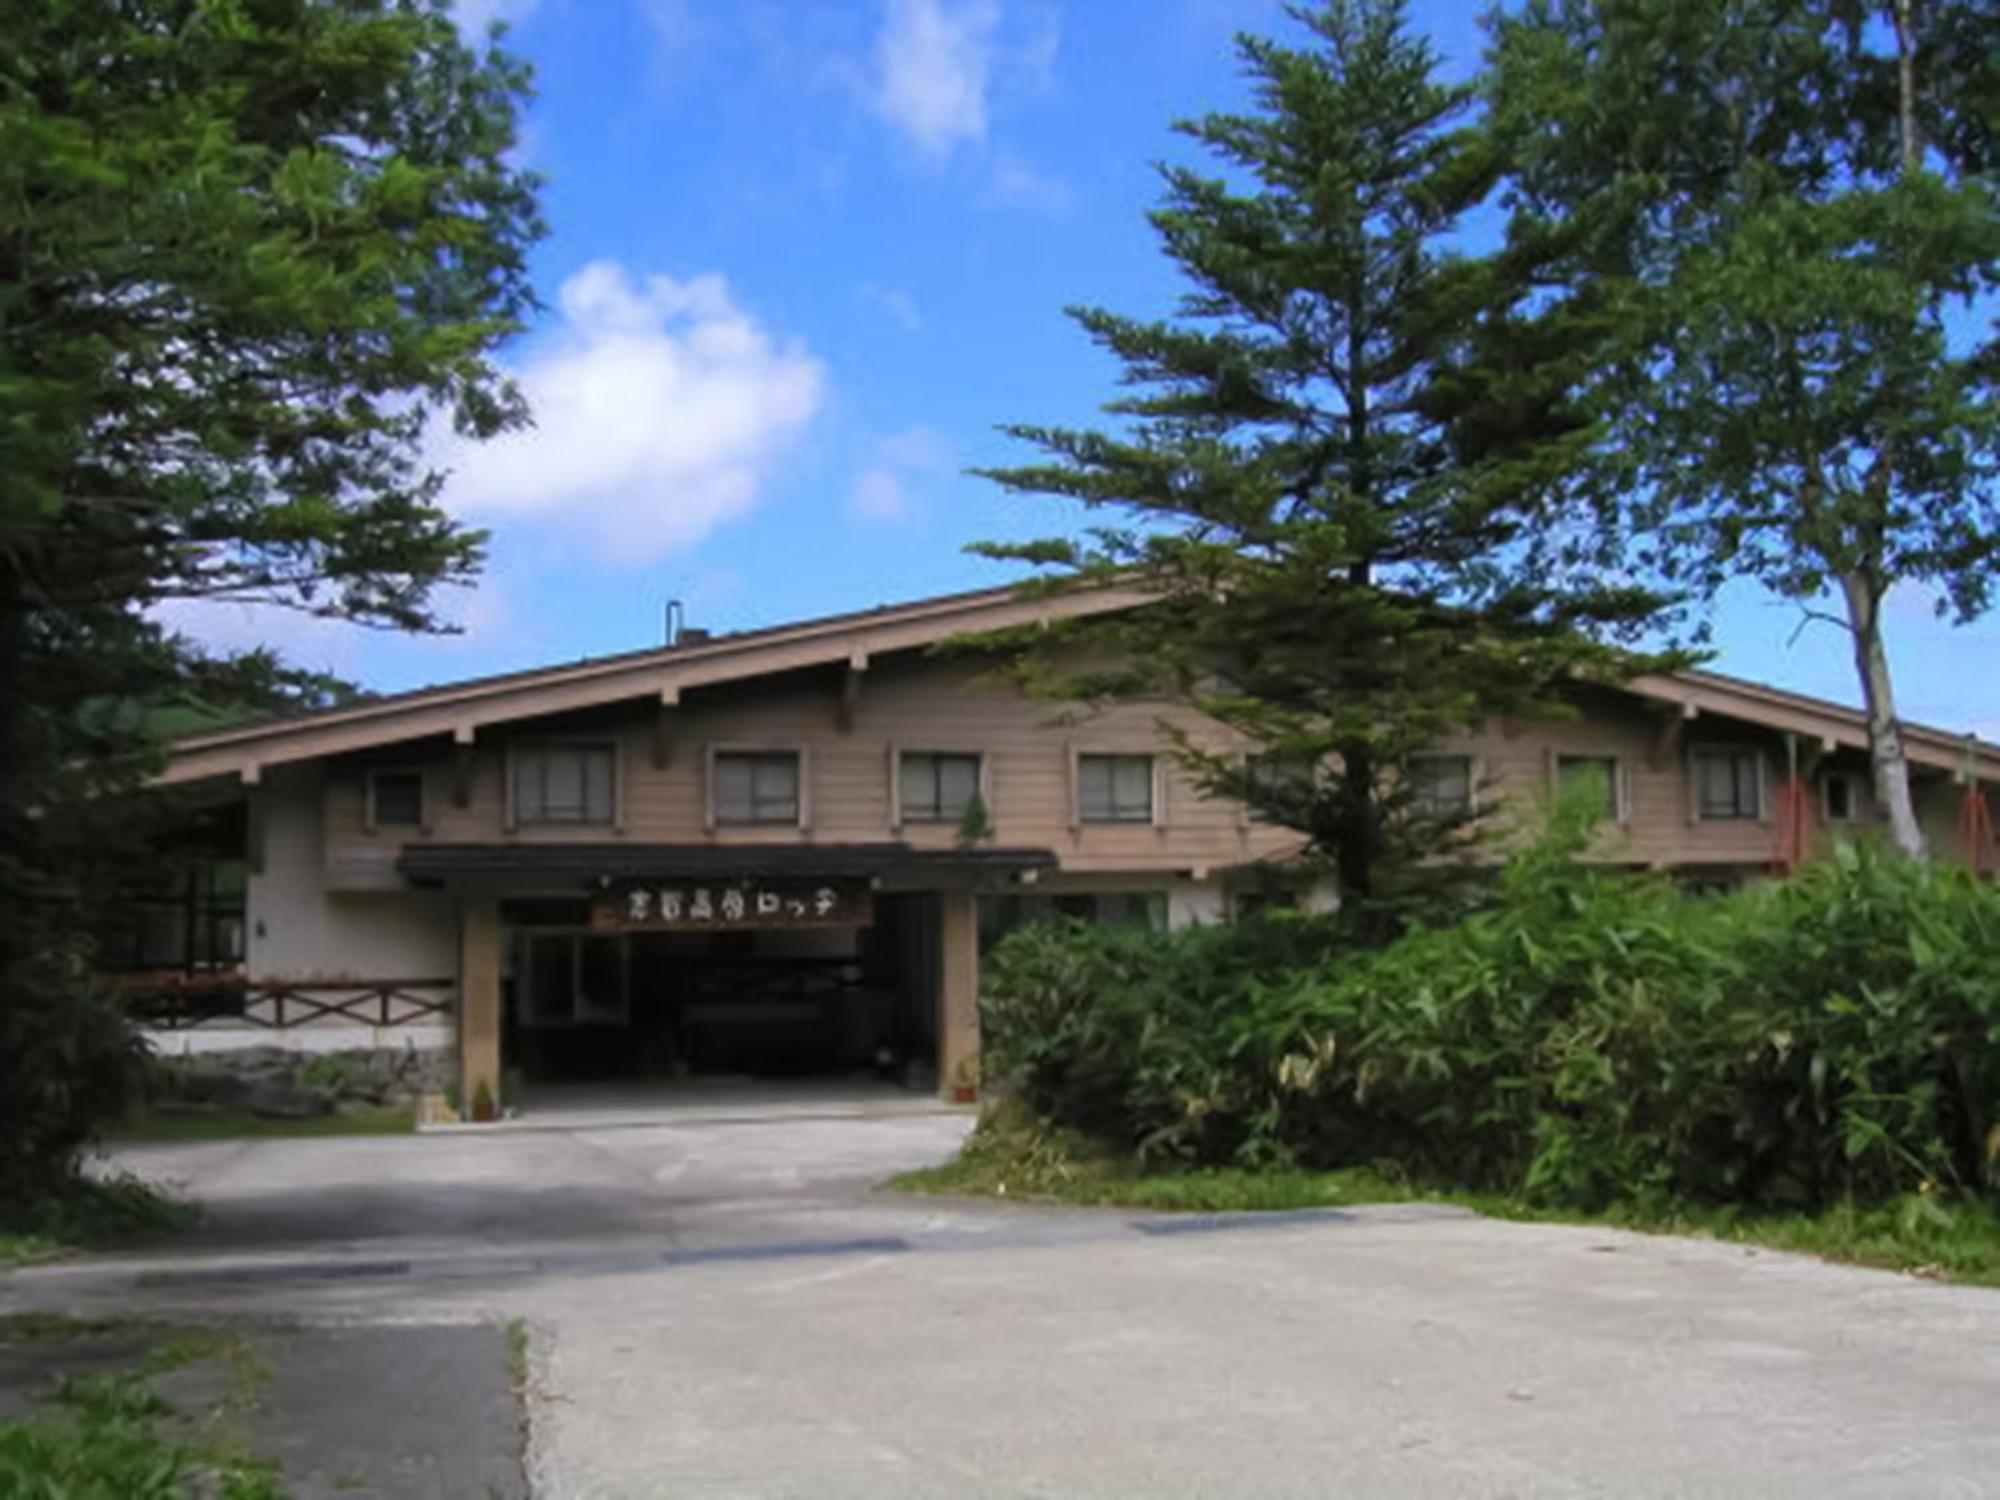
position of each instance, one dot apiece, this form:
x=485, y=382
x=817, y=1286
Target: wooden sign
x=713, y=906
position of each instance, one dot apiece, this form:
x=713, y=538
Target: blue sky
x=805, y=255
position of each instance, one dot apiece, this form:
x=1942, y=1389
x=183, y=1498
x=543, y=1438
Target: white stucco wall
x=297, y=929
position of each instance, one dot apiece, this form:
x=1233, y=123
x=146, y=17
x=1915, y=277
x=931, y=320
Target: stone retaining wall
x=281, y=1082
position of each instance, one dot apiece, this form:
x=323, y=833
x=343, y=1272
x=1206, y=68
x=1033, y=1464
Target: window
x=1600, y=771
x=1841, y=796
x=395, y=799
x=1440, y=785
x=563, y=783
x=937, y=788
x=1279, y=787
x=192, y=918
x=574, y=979
x=1114, y=788
x=754, y=787
x=1728, y=785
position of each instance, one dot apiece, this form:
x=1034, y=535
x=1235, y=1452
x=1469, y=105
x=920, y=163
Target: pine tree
x=1341, y=472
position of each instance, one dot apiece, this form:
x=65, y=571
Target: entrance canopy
x=548, y=869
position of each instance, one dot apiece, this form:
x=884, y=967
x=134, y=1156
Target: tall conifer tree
x=1341, y=469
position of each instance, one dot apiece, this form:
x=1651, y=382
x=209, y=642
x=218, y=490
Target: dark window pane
x=1726, y=784
x=757, y=787
x=1115, y=788
x=1440, y=785
x=938, y=788
x=399, y=799
x=564, y=783
x=597, y=785
x=1600, y=771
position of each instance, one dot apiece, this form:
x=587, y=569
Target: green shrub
x=1587, y=1038
x=325, y=1070
x=1131, y=1035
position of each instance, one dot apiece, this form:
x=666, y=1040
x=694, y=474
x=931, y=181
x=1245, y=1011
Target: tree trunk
x=1910, y=150
x=1885, y=736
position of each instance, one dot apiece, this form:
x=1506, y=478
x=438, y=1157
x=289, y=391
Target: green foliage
x=1781, y=220
x=1340, y=471
x=1133, y=1034
x=1014, y=1154
x=329, y=1070
x=103, y=1441
x=251, y=253
x=975, y=824
x=1588, y=1038
x=89, y=1213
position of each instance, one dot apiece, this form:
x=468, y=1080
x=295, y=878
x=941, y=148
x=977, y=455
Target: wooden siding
x=915, y=703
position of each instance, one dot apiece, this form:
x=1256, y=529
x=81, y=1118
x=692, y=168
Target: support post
x=958, y=991
x=478, y=999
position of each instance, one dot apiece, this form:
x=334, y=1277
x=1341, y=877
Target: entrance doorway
x=584, y=1006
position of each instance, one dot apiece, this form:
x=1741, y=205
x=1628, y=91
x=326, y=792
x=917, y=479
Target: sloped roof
x=662, y=673
x=461, y=709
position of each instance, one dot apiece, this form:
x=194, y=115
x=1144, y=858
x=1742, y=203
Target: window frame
x=1854, y=782
x=615, y=818
x=1156, y=789
x=1760, y=809
x=899, y=813
x=1256, y=763
x=1621, y=795
x=801, y=758
x=371, y=813
x=1472, y=771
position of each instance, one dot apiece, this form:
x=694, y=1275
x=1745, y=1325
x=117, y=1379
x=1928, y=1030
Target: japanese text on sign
x=671, y=906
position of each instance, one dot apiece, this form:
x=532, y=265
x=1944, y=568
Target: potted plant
x=485, y=1110
x=975, y=824
x=965, y=1082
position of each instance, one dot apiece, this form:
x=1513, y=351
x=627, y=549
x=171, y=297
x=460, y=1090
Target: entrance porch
x=582, y=964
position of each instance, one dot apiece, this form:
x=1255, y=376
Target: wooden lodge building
x=745, y=854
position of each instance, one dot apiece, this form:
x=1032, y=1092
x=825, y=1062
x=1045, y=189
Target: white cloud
x=881, y=493
x=1014, y=184
x=660, y=409
x=897, y=303
x=229, y=627
x=933, y=66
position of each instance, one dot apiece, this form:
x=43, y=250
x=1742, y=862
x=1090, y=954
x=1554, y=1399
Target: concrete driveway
x=723, y=1307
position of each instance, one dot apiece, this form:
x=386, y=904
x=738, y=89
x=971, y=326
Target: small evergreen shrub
x=1587, y=1038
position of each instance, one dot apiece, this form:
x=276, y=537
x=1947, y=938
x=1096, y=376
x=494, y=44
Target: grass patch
x=239, y=1126
x=113, y=1437
x=1014, y=1156
x=517, y=1354
x=108, y=1213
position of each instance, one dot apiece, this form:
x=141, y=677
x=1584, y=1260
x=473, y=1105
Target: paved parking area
x=726, y=1308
